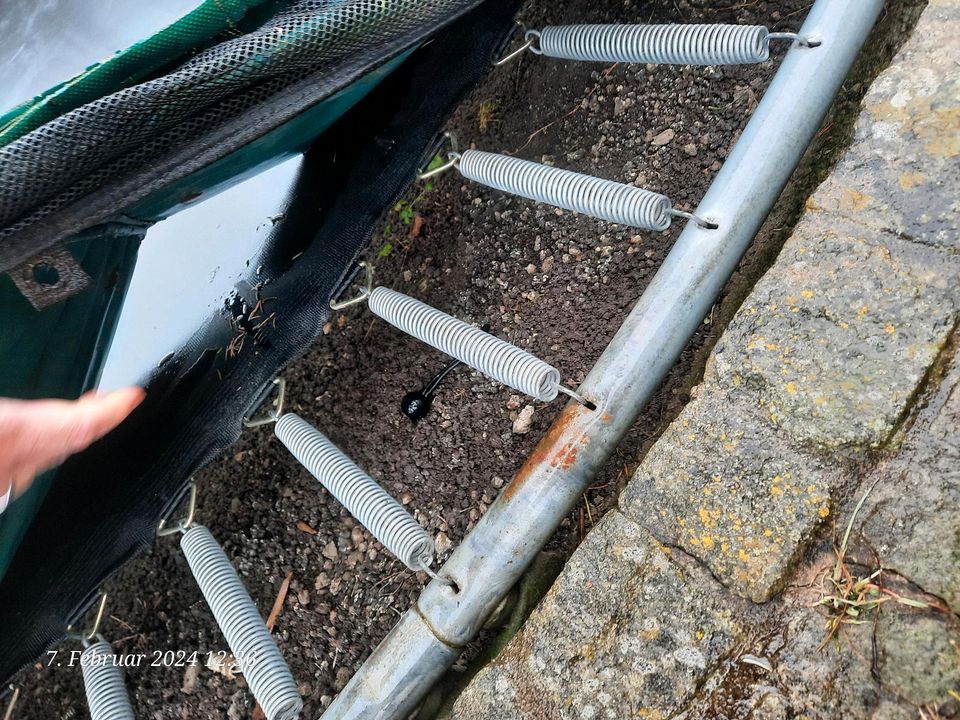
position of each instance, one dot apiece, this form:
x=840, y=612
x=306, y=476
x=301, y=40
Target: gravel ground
x=552, y=282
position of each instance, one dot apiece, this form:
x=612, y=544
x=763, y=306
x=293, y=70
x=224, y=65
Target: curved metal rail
x=430, y=636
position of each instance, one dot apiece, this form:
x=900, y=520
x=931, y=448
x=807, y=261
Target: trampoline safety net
x=68, y=157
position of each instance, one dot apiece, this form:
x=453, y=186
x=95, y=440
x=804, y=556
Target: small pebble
x=442, y=543
x=521, y=426
x=664, y=138
x=190, y=677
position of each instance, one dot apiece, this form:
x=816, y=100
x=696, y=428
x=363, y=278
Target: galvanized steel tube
x=406, y=664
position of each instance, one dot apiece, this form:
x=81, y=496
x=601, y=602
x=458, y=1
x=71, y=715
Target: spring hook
x=452, y=156
x=94, y=630
x=103, y=684
x=673, y=44
x=184, y=524
x=528, y=44
x=274, y=414
x=596, y=197
x=256, y=653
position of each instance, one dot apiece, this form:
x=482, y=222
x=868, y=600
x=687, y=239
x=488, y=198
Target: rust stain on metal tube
x=558, y=448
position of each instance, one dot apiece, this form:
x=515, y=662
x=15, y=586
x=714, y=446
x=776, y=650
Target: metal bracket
x=85, y=636
x=453, y=157
x=184, y=523
x=50, y=277
x=273, y=414
x=364, y=292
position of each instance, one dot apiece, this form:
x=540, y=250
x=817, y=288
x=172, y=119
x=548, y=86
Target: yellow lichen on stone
x=940, y=131
x=791, y=388
x=910, y=180
x=649, y=634
x=854, y=200
x=705, y=518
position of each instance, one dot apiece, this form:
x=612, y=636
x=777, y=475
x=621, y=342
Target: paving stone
x=721, y=484
x=903, y=170
x=913, y=519
x=627, y=631
x=900, y=658
x=835, y=339
x=917, y=663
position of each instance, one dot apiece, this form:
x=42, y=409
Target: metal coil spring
x=103, y=683
x=660, y=44
x=364, y=499
x=599, y=198
x=250, y=641
x=490, y=355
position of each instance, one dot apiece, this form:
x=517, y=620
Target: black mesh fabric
x=75, y=154
x=105, y=504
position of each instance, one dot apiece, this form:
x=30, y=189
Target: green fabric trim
x=193, y=31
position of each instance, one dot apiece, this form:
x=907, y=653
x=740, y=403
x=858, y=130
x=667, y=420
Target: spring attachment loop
x=251, y=643
x=675, y=44
x=361, y=495
x=276, y=411
x=103, y=683
x=452, y=157
x=528, y=44
x=596, y=197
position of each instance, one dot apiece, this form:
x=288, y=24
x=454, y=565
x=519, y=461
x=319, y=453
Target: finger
x=92, y=417
x=40, y=434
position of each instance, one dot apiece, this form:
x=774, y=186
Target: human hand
x=36, y=435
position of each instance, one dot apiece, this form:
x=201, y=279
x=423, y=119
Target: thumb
x=93, y=416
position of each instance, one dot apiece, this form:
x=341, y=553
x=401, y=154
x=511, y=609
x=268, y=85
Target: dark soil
x=552, y=282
